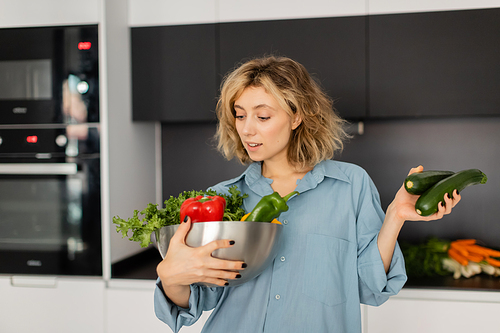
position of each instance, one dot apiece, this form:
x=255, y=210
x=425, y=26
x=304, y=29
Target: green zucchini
x=419, y=182
x=427, y=203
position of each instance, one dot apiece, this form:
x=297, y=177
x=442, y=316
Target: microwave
x=49, y=75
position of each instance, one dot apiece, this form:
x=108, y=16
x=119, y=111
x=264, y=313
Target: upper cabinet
x=160, y=12
x=412, y=6
x=262, y=10
x=438, y=62
x=332, y=50
x=174, y=73
x=30, y=13
x=434, y=64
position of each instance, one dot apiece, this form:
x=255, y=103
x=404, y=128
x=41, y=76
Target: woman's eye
x=264, y=118
x=239, y=117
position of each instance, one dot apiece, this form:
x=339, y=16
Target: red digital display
x=32, y=139
x=84, y=45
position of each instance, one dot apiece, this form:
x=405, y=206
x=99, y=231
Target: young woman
x=338, y=249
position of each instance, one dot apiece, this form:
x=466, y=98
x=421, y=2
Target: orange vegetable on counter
x=465, y=250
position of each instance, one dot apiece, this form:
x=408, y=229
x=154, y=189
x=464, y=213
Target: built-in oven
x=50, y=215
x=49, y=75
x=50, y=192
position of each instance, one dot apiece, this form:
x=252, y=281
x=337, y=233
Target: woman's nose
x=248, y=127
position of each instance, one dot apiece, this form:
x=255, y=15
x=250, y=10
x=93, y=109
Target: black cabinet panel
x=332, y=49
x=174, y=73
x=434, y=64
x=191, y=160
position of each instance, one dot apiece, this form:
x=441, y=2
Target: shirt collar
x=328, y=169
x=261, y=185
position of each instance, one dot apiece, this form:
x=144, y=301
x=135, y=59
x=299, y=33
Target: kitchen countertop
x=140, y=266
x=143, y=266
x=480, y=282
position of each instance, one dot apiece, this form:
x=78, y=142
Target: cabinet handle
x=38, y=169
x=34, y=282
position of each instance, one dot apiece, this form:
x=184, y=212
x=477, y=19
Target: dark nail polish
x=238, y=276
x=231, y=242
x=226, y=284
x=186, y=218
x=244, y=265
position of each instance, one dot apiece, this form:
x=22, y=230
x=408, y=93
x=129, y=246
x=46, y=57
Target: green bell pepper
x=269, y=207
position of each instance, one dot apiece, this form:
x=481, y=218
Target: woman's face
x=263, y=126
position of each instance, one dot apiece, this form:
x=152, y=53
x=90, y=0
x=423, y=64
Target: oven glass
x=41, y=214
x=26, y=79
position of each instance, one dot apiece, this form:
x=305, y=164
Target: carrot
x=465, y=241
x=454, y=254
x=460, y=248
x=483, y=251
x=493, y=262
x=493, y=253
x=474, y=257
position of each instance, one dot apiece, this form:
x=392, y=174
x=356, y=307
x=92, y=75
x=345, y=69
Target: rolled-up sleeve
x=375, y=286
x=201, y=299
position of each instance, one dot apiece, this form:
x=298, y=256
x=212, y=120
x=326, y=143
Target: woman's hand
x=403, y=205
x=402, y=209
x=184, y=265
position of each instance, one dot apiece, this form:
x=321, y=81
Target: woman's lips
x=253, y=146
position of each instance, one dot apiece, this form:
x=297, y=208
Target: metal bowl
x=256, y=243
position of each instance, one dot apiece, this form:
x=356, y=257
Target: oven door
x=50, y=220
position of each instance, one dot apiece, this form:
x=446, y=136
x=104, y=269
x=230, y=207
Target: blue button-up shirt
x=328, y=263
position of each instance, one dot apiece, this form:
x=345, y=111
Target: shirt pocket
x=328, y=269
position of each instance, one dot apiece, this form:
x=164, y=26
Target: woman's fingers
x=217, y=244
x=182, y=231
x=417, y=169
x=184, y=265
x=220, y=263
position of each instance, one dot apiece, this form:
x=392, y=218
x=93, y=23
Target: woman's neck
x=284, y=176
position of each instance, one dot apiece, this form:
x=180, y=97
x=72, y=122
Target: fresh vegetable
x=454, y=254
x=425, y=260
x=472, y=258
x=246, y=215
x=269, y=207
x=441, y=257
x=419, y=182
x=427, y=203
x=155, y=218
x=203, y=208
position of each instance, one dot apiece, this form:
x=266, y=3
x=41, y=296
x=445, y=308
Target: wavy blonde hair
x=321, y=132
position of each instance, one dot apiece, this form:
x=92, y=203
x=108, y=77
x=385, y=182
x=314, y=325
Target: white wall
x=130, y=146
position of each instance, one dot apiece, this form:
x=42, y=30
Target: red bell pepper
x=203, y=209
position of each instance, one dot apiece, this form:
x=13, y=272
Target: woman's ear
x=297, y=120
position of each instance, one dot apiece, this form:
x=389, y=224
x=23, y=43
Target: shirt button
x=282, y=258
x=285, y=221
x=277, y=296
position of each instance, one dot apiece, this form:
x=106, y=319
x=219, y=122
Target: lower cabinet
x=42, y=304
x=434, y=311
x=48, y=305
x=130, y=308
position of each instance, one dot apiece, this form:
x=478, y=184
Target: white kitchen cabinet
x=50, y=304
x=161, y=12
x=130, y=308
x=234, y=11
x=395, y=6
x=29, y=13
x=435, y=311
